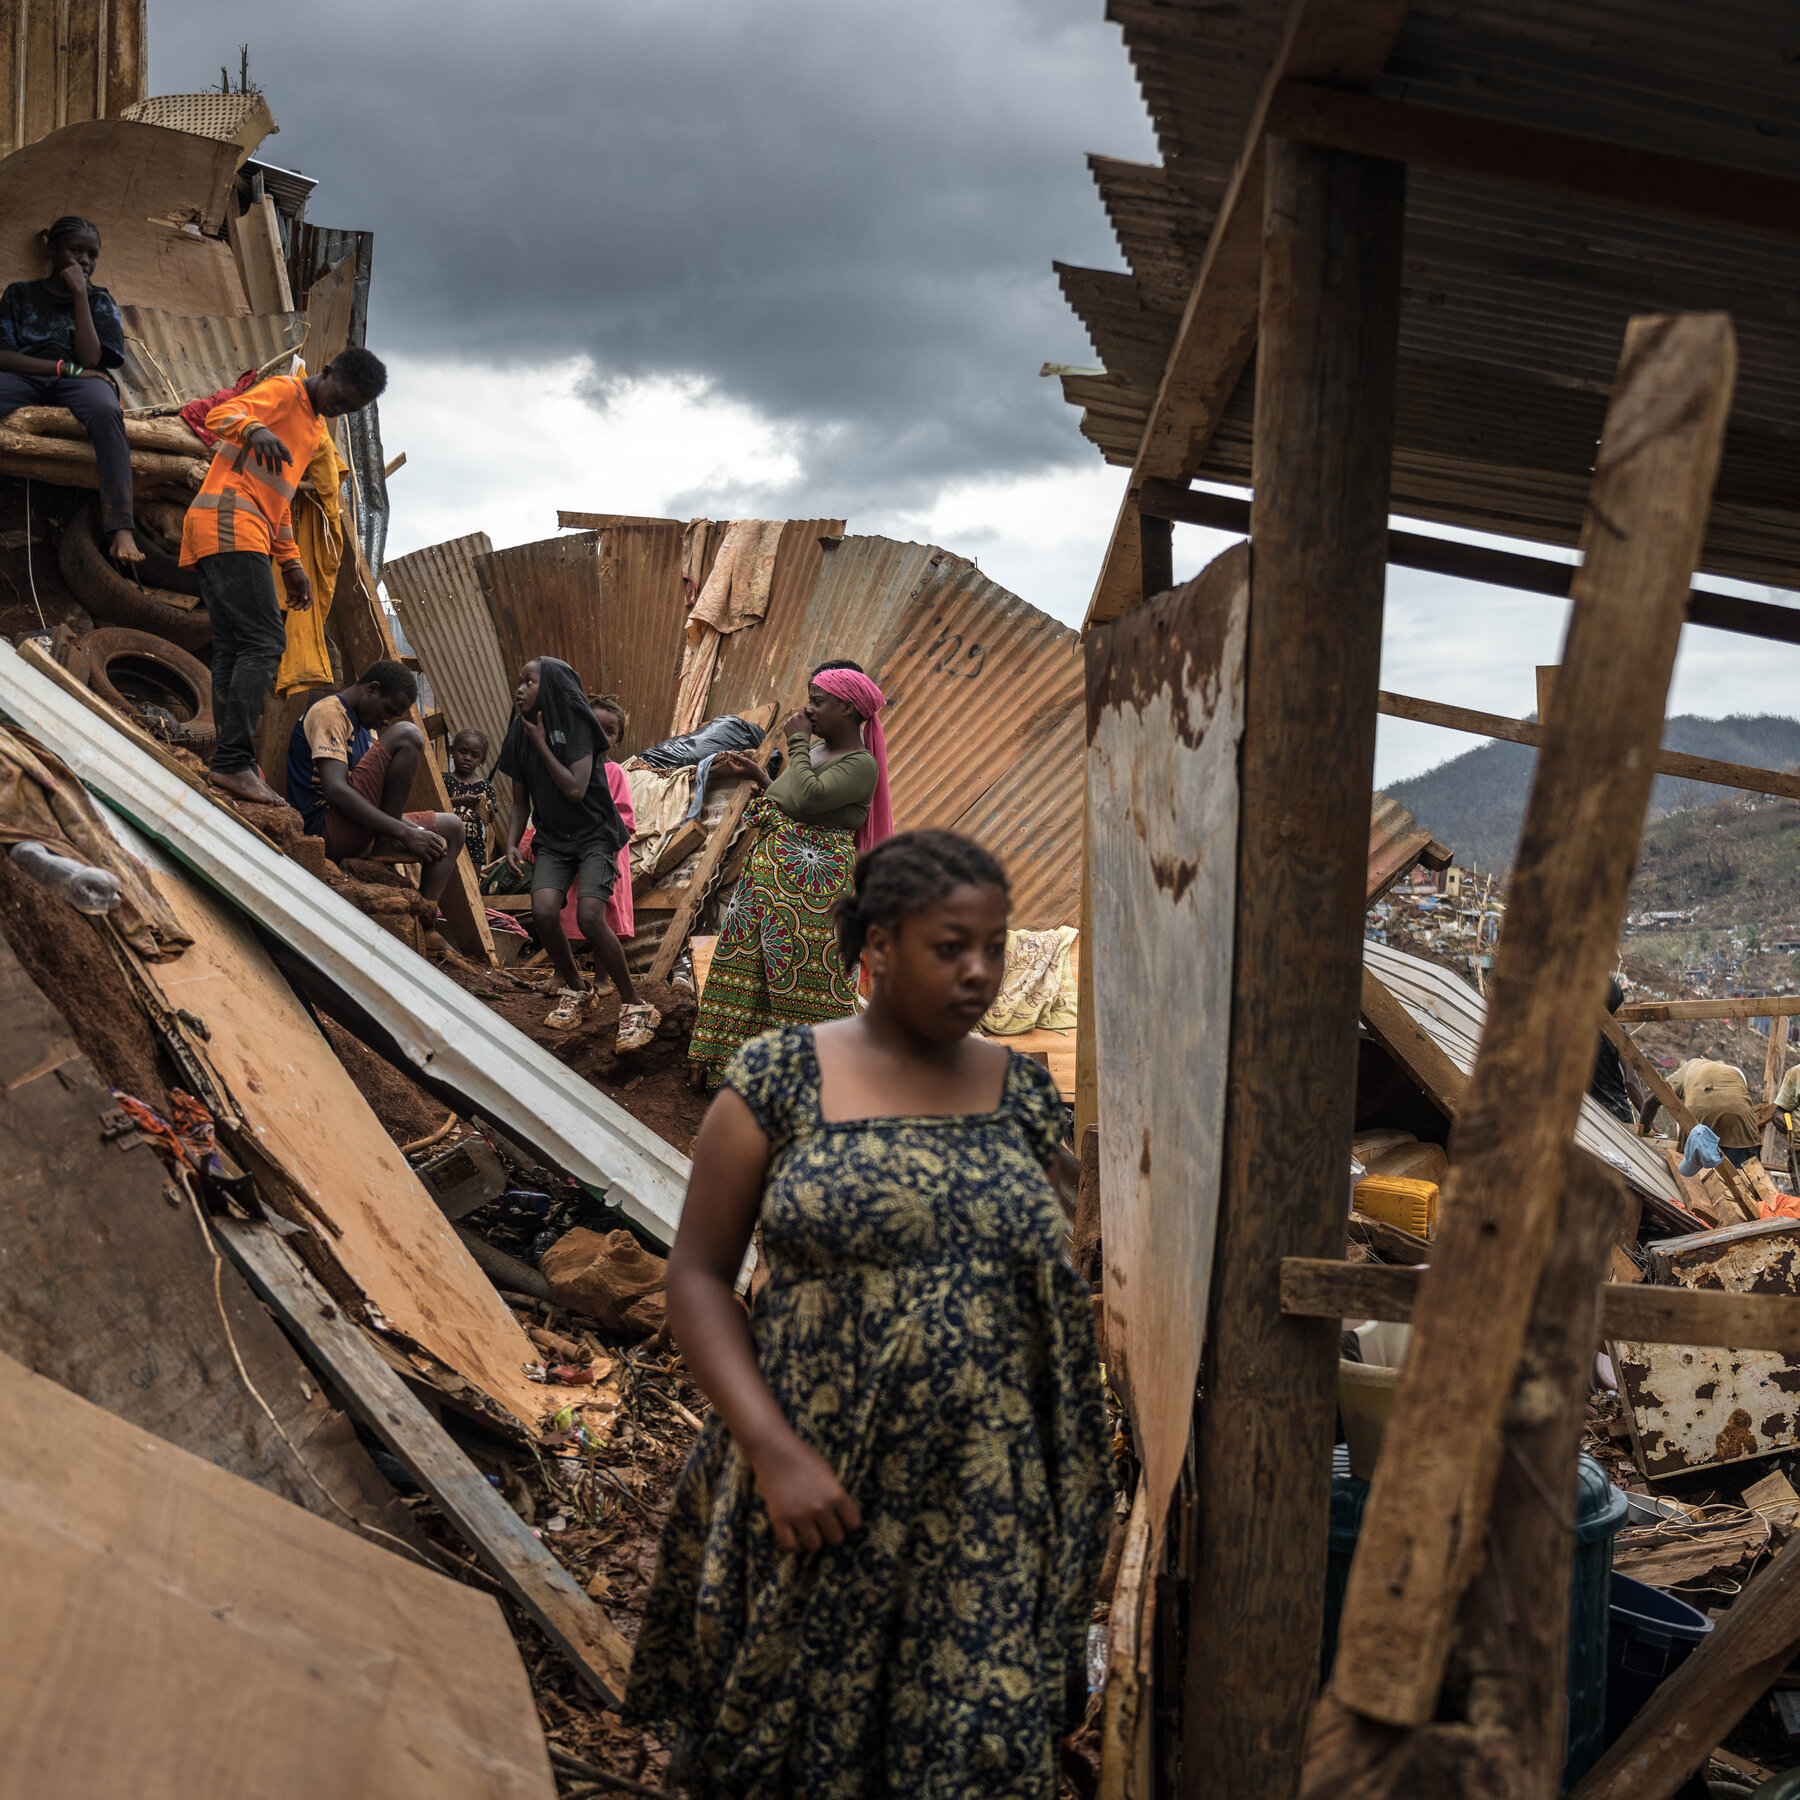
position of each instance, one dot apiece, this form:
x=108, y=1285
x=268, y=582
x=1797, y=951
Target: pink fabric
x=859, y=691
x=619, y=914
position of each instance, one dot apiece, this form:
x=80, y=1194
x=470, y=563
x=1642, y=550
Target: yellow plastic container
x=1399, y=1200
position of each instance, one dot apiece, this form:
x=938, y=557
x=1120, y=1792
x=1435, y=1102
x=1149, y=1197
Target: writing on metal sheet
x=975, y=656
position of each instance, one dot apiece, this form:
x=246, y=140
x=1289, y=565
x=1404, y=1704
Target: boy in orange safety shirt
x=238, y=521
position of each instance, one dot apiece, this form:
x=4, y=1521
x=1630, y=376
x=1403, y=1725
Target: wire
x=29, y=575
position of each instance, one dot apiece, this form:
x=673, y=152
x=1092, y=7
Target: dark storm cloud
x=841, y=214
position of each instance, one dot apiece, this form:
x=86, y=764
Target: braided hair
x=66, y=227
x=905, y=874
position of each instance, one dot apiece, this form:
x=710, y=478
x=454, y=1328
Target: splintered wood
x=1165, y=694
x=1425, y=1531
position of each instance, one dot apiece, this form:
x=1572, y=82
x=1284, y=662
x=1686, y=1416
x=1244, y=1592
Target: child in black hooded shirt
x=555, y=754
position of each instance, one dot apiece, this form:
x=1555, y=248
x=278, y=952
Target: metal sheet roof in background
x=637, y=632
x=984, y=715
x=444, y=615
x=170, y=360
x=544, y=600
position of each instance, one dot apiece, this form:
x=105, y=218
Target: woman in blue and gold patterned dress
x=876, y=1577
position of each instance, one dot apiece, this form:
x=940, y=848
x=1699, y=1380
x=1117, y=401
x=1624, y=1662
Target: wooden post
x=1774, y=1067
x=1324, y=446
x=1423, y=1532
x=1546, y=692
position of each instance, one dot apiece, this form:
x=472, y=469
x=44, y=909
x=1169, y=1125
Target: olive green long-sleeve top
x=835, y=796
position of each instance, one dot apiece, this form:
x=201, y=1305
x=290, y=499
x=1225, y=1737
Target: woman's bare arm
x=807, y=1505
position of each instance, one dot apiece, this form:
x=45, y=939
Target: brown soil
x=63, y=954
x=651, y=1084
x=407, y=1113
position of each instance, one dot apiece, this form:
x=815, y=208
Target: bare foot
x=245, y=784
x=125, y=548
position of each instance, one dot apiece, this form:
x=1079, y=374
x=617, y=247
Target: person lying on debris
x=351, y=765
x=60, y=338
x=830, y=802
x=877, y=1570
x=555, y=756
x=472, y=793
x=238, y=521
x=1719, y=1097
x=1614, y=1086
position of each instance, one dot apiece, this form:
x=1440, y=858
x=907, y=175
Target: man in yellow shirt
x=238, y=521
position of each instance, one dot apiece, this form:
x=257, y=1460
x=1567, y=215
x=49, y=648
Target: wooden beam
x=1730, y=1006
x=1523, y=731
x=483, y=1519
x=1323, y=40
x=1424, y=1528
x=1715, y=194
x=1331, y=270
x=1694, y=1708
x=1774, y=1068
x=1176, y=501
x=1329, y=1288
x=1156, y=556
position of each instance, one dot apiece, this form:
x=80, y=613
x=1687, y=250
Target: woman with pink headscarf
x=777, y=961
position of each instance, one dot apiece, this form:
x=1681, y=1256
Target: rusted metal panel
x=636, y=637
x=65, y=61
x=1693, y=1408
x=1165, y=694
x=445, y=617
x=544, y=600
x=983, y=719
x=1761, y=1257
x=170, y=360
x=1396, y=842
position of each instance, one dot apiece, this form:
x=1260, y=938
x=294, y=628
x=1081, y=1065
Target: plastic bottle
x=87, y=889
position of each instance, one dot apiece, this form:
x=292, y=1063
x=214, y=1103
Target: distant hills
x=1475, y=802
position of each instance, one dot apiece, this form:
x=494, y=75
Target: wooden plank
x=1774, y=1144
x=1780, y=1007
x=1424, y=1527
x=1127, y=1738
x=1329, y=1288
x=1411, y=1045
x=1523, y=731
x=1324, y=40
x=1694, y=1708
x=1561, y=162
x=1165, y=701
x=1324, y=447
x=491, y=1528
x=320, y=1663
x=256, y=243
x=717, y=845
x=677, y=848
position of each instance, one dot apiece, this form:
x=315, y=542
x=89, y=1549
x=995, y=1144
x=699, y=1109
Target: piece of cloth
x=328, y=731
x=248, y=643
x=319, y=537
x=37, y=319
x=659, y=801
x=368, y=776
x=467, y=798
x=620, y=913
x=1718, y=1095
x=1607, y=1084
x=1037, y=992
x=777, y=960
x=923, y=1331
x=194, y=413
x=859, y=691
x=1701, y=1151
x=41, y=802
x=189, y=1143
x=835, y=795
x=241, y=505
x=590, y=869
x=95, y=403
x=736, y=595
x=572, y=732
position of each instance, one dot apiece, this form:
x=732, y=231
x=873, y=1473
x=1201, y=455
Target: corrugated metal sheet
x=495, y=1069
x=63, y=61
x=984, y=717
x=1396, y=842
x=544, y=600
x=1454, y=1016
x=170, y=360
x=444, y=615
x=635, y=641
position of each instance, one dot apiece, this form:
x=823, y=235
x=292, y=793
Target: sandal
x=572, y=1006
x=637, y=1025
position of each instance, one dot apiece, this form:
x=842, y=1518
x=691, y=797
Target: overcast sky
x=785, y=259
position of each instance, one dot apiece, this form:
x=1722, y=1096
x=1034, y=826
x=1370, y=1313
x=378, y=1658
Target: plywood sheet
x=393, y=1241
x=1165, y=687
x=171, y=1631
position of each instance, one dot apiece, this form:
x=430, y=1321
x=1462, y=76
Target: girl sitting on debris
x=876, y=1575
x=776, y=961
x=471, y=792
x=60, y=338
x=555, y=755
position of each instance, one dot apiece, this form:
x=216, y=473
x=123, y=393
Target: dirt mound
x=407, y=1113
